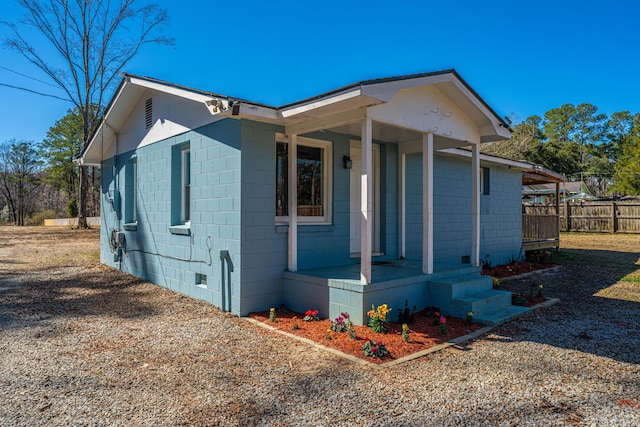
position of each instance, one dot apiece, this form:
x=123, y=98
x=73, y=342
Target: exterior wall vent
x=148, y=113
x=201, y=280
x=466, y=259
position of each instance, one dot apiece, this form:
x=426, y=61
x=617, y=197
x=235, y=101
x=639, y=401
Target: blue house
x=369, y=194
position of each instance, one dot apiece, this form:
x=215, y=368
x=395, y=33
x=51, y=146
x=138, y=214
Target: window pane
x=134, y=188
x=282, y=174
x=186, y=185
x=310, y=181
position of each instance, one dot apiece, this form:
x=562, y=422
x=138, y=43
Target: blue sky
x=523, y=58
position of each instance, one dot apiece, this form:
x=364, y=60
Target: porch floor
x=389, y=271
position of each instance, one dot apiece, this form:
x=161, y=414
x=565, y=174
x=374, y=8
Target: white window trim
x=327, y=173
x=183, y=184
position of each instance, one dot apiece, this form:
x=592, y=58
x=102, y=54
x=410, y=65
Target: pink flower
x=443, y=320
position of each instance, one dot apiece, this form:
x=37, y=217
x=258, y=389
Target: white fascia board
x=259, y=111
x=197, y=97
x=491, y=159
x=523, y=166
x=321, y=102
x=214, y=104
x=384, y=91
x=105, y=119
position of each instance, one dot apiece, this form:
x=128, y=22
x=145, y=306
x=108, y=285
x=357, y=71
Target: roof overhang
x=341, y=110
x=128, y=94
x=531, y=173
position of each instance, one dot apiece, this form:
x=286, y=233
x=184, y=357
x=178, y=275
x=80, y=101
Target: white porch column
x=366, y=204
x=402, y=214
x=293, y=203
x=427, y=203
x=475, y=205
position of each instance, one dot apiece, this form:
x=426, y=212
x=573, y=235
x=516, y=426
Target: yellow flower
x=371, y=313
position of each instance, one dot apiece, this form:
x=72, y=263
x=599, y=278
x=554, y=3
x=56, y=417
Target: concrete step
x=501, y=316
x=482, y=302
x=445, y=272
x=455, y=287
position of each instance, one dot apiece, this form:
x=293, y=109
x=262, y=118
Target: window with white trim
x=185, y=185
x=313, y=158
x=180, y=186
x=131, y=192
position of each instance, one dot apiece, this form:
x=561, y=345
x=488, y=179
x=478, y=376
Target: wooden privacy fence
x=595, y=216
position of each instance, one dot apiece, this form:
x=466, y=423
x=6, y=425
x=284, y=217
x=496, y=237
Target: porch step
x=455, y=287
x=501, y=316
x=481, y=303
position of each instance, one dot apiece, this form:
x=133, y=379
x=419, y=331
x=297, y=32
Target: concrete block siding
x=172, y=260
x=233, y=209
x=500, y=221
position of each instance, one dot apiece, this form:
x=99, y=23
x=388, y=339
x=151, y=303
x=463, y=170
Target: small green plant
x=443, y=326
x=295, y=326
x=351, y=330
x=405, y=315
x=495, y=282
x=272, y=314
x=374, y=349
x=539, y=294
x=283, y=309
x=405, y=332
x=378, y=318
x=328, y=334
x=469, y=319
x=310, y=315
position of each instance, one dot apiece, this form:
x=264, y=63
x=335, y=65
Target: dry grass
x=47, y=247
x=616, y=257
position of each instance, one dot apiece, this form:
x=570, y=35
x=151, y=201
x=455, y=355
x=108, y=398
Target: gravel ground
x=88, y=345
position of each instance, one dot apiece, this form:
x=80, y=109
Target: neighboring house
x=546, y=193
x=355, y=197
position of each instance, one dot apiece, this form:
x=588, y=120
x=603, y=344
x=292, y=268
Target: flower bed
x=424, y=334
x=514, y=269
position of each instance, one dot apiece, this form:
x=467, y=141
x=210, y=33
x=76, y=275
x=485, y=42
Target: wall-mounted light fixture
x=346, y=161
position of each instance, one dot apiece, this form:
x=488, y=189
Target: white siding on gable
x=172, y=116
x=426, y=109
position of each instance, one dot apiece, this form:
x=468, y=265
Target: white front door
x=355, y=152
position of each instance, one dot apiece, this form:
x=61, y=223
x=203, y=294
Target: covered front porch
x=420, y=115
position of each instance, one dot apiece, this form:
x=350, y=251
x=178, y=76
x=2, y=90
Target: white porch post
x=475, y=205
x=293, y=203
x=366, y=204
x=402, y=226
x=427, y=203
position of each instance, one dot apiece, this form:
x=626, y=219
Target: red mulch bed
x=423, y=336
x=514, y=269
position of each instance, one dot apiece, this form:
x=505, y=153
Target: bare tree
x=20, y=176
x=92, y=40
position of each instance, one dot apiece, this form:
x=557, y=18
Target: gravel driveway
x=92, y=346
